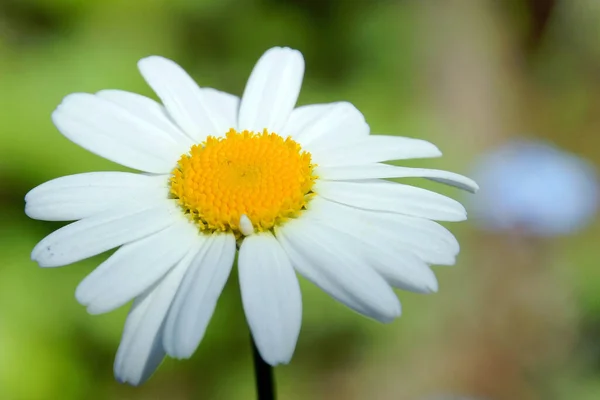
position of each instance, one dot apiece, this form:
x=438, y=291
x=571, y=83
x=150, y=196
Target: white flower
x=296, y=189
x=536, y=188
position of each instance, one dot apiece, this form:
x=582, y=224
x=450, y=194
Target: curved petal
x=198, y=112
x=228, y=105
x=392, y=197
x=322, y=257
x=270, y=296
x=141, y=351
x=401, y=269
x=399, y=265
x=412, y=230
x=325, y=125
x=113, y=132
x=433, y=243
x=374, y=171
x=91, y=236
x=372, y=149
x=83, y=195
x=148, y=110
x=134, y=268
x=197, y=297
x=272, y=90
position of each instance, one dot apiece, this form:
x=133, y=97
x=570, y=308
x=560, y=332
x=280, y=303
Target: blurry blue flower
x=534, y=187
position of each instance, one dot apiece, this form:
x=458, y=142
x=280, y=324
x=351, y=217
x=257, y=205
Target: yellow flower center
x=260, y=175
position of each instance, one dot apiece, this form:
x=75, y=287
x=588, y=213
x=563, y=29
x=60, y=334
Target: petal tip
x=124, y=379
x=181, y=352
x=82, y=294
x=436, y=152
x=37, y=253
x=433, y=286
x=143, y=62
x=96, y=309
x=69, y=99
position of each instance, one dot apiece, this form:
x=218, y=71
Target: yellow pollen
x=260, y=175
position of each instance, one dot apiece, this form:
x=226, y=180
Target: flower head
x=535, y=188
x=294, y=189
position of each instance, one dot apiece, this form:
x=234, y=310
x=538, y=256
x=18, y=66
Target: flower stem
x=265, y=383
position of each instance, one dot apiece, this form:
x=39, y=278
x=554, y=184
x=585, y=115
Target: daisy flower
x=292, y=189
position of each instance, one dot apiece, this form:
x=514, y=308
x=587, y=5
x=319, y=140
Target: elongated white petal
x=149, y=110
x=374, y=171
x=139, y=353
x=433, y=244
x=83, y=195
x=198, y=112
x=228, y=106
x=429, y=233
x=102, y=232
x=135, y=267
x=197, y=297
x=406, y=228
x=323, y=258
x=113, y=132
x=373, y=149
x=326, y=125
x=402, y=269
x=427, y=239
x=392, y=197
x=272, y=90
x=141, y=350
x=270, y=296
x=414, y=236
x=399, y=265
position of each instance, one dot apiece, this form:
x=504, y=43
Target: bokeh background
x=517, y=318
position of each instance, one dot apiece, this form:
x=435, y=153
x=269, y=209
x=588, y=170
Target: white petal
x=246, y=226
x=323, y=258
x=113, y=132
x=102, y=232
x=228, y=106
x=402, y=269
x=198, y=112
x=135, y=267
x=270, y=296
x=372, y=149
x=197, y=297
x=272, y=90
x=148, y=110
x=415, y=233
x=371, y=171
x=429, y=232
x=392, y=197
x=399, y=265
x=430, y=241
x=141, y=350
x=325, y=125
x=375, y=222
x=83, y=195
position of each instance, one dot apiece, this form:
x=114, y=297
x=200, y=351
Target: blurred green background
x=517, y=318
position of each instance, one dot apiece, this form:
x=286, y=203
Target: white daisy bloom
x=295, y=189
